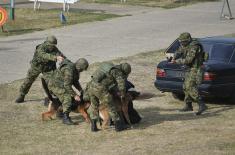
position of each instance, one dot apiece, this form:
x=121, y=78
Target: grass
x=152, y=3
x=163, y=130
x=27, y=20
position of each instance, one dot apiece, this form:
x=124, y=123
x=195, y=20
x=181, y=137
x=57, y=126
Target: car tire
x=178, y=96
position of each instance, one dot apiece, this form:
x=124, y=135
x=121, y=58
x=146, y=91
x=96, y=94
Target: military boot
x=120, y=125
x=188, y=107
x=67, y=120
x=20, y=99
x=94, y=126
x=202, y=107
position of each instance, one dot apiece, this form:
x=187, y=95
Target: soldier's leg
x=93, y=111
x=187, y=99
x=108, y=100
x=67, y=104
x=47, y=92
x=32, y=74
x=196, y=97
x=188, y=103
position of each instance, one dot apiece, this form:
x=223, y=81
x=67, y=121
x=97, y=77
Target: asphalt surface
x=146, y=30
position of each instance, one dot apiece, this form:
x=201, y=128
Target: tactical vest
x=102, y=72
x=200, y=55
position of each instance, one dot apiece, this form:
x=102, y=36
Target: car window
x=221, y=52
x=173, y=47
x=207, y=47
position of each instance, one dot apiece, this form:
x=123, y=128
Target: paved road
x=146, y=30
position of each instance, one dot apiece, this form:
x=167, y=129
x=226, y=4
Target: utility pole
x=12, y=10
x=229, y=11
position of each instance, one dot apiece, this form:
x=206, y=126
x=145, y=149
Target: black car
x=219, y=70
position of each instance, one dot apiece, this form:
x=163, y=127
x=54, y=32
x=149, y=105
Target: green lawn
x=152, y=3
x=27, y=20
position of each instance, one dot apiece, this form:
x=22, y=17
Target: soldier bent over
x=107, y=79
x=60, y=84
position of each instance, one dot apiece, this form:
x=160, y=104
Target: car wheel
x=178, y=96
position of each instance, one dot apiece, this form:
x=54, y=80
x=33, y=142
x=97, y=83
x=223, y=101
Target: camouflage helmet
x=81, y=64
x=126, y=68
x=51, y=40
x=185, y=37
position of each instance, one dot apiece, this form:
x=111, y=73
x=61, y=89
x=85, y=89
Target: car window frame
x=232, y=54
x=167, y=50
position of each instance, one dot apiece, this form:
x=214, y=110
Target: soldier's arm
x=120, y=79
x=68, y=80
x=77, y=85
x=189, y=57
x=178, y=54
x=44, y=55
x=59, y=53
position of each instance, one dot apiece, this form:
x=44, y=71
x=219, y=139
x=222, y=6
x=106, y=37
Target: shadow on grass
x=153, y=117
x=147, y=95
x=220, y=101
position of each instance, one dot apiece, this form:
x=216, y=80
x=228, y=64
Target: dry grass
x=163, y=129
x=27, y=20
x=152, y=3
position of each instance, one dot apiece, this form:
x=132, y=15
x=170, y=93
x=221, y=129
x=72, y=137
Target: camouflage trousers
x=32, y=74
x=64, y=97
x=190, y=86
x=99, y=94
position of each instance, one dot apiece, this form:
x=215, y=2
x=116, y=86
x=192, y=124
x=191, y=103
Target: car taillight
x=209, y=76
x=160, y=72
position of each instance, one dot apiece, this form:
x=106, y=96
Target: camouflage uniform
x=106, y=80
x=44, y=61
x=60, y=83
x=193, y=56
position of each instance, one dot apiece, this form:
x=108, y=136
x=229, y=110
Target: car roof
x=218, y=39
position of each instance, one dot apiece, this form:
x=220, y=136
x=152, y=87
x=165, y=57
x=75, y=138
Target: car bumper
x=218, y=90
x=206, y=90
x=169, y=86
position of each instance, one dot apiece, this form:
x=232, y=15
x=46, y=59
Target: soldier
x=61, y=82
x=44, y=61
x=107, y=79
x=191, y=54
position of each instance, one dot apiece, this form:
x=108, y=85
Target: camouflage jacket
x=192, y=55
x=64, y=78
x=111, y=77
x=45, y=57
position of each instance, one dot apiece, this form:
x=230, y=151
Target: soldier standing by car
x=191, y=54
x=44, y=61
x=106, y=80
